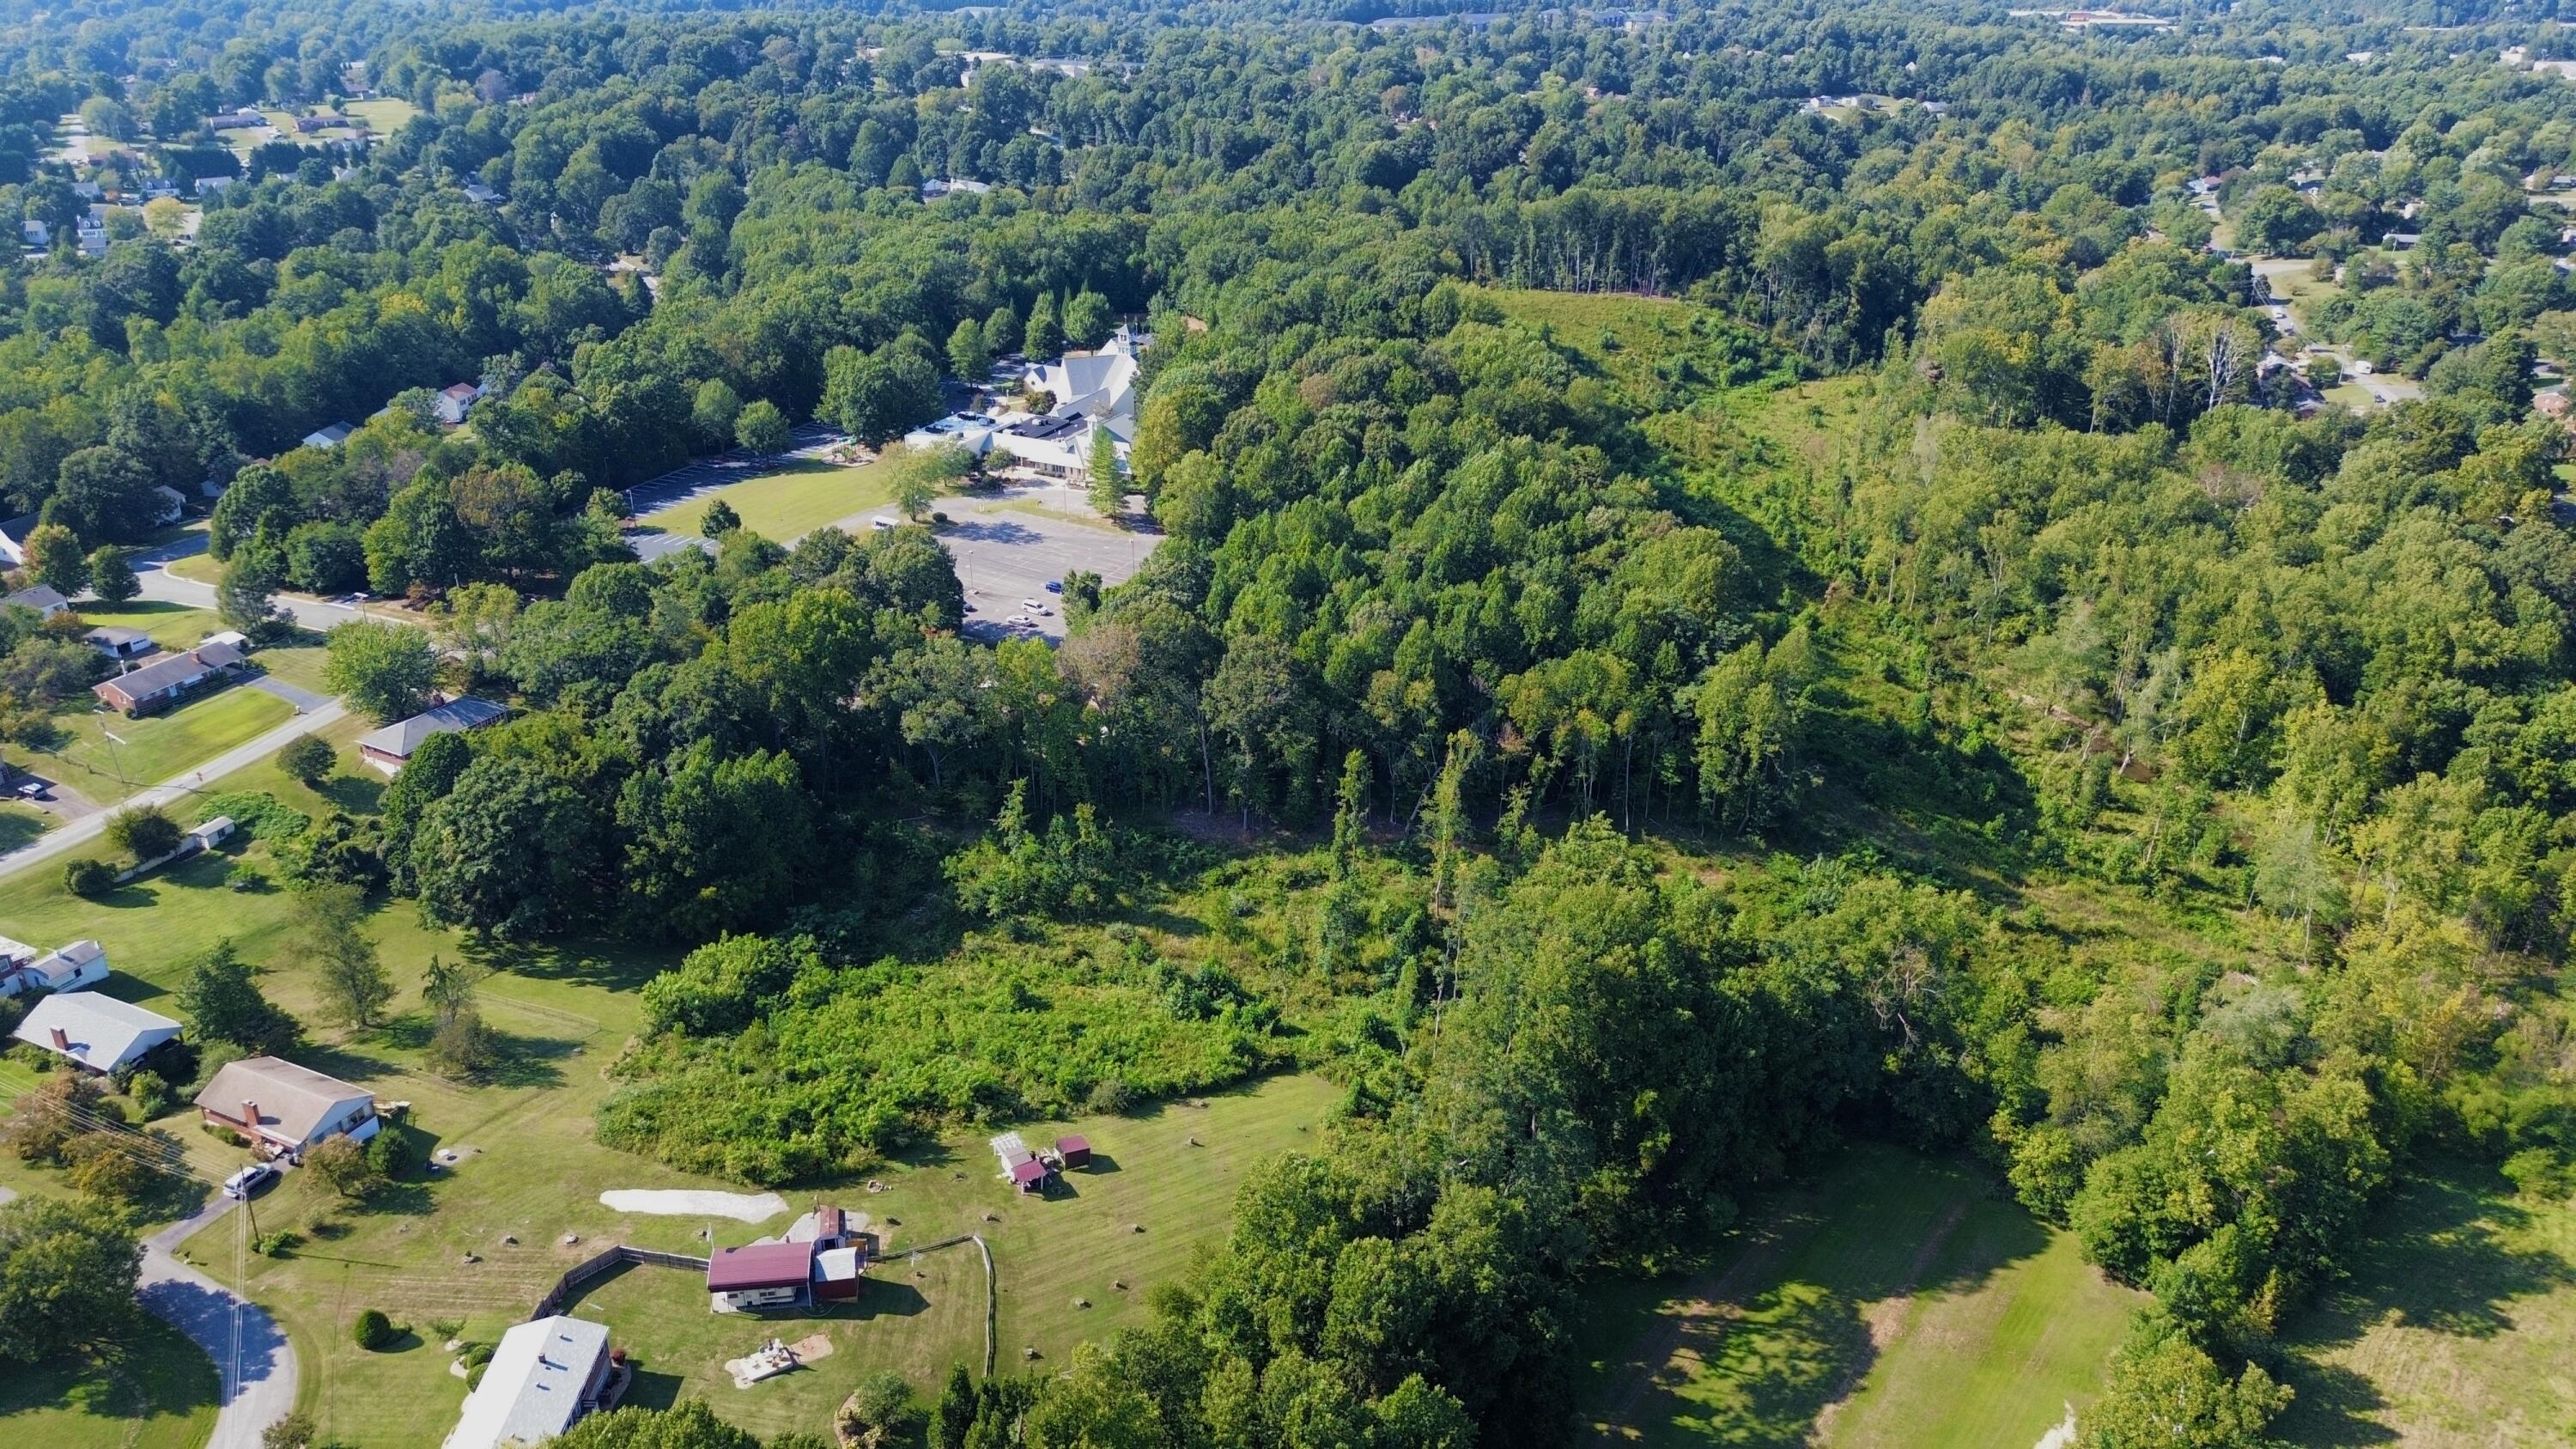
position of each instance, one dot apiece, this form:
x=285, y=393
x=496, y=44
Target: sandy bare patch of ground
x=2061, y=1436
x=742, y=1207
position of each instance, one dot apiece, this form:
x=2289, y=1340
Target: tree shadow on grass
x=18, y=828
x=615, y=966
x=1780, y=1319
x=2439, y=1259
x=355, y=794
x=650, y=1390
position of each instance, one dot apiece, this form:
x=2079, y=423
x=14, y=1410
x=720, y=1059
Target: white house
x=98, y=1032
x=173, y=503
x=13, y=539
x=66, y=968
x=457, y=400
x=285, y=1109
x=330, y=437
x=543, y=1377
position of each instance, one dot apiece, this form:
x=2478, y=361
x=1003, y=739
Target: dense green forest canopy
x=1712, y=534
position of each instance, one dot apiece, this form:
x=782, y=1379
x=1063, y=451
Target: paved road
x=321, y=616
x=251, y=1354
x=174, y=790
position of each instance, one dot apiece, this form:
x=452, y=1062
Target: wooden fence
x=581, y=1275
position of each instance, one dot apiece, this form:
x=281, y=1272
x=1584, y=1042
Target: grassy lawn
x=2457, y=1326
x=159, y=746
x=198, y=566
x=147, y=945
x=1897, y=1300
x=915, y=1316
x=157, y=1393
x=387, y=114
x=796, y=500
x=172, y=626
x=533, y=1172
x=1044, y=505
x=20, y=824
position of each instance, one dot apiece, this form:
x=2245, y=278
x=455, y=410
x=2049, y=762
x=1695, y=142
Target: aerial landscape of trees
x=1725, y=582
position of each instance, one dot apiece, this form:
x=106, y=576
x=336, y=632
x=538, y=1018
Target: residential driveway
x=251, y=1354
x=304, y=700
x=175, y=790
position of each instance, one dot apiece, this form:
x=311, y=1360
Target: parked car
x=242, y=1183
x=880, y=523
x=1055, y=586
x=32, y=790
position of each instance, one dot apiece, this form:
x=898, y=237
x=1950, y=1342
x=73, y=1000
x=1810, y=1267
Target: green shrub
x=89, y=879
x=255, y=813
x=146, y=832
x=373, y=1331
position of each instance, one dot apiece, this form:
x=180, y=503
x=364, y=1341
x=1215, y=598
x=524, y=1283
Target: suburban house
x=457, y=400
x=118, y=642
x=68, y=968
x=240, y=119
x=285, y=1109
x=94, y=1031
x=390, y=748
x=329, y=437
x=13, y=539
x=173, y=503
x=543, y=1377
x=164, y=681
x=42, y=598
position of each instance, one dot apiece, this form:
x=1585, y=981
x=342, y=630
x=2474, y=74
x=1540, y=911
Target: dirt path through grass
x=1707, y=1304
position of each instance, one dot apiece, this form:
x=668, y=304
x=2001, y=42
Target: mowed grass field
x=157, y=1392
x=156, y=747
x=1897, y=1300
x=796, y=500
x=2456, y=1328
x=920, y=1314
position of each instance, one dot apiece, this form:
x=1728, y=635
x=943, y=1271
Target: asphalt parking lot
x=1010, y=542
